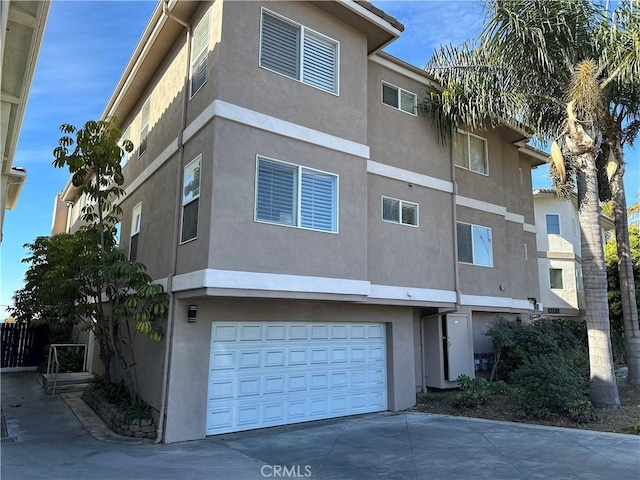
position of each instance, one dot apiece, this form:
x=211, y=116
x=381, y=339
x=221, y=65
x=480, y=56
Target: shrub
x=546, y=386
x=476, y=391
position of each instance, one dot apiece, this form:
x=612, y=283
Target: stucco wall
x=243, y=82
x=238, y=242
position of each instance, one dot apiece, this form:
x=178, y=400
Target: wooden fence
x=22, y=345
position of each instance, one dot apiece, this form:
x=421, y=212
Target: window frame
x=191, y=200
x=196, y=58
x=399, y=90
x=298, y=199
x=126, y=135
x=135, y=228
x=546, y=223
x=400, y=204
x=472, y=225
x=302, y=29
x=468, y=156
x=561, y=270
x=144, y=127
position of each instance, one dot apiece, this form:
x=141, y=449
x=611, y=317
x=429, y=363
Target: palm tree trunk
x=604, y=391
x=625, y=271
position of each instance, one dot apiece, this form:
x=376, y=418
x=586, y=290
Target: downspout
x=176, y=229
x=456, y=274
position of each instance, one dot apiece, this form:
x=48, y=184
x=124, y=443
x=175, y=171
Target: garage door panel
x=324, y=370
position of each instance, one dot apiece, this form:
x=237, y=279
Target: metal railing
x=53, y=360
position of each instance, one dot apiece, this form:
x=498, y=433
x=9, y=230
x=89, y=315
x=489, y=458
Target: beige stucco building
x=559, y=253
x=317, y=240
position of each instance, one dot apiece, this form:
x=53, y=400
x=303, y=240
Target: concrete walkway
x=53, y=444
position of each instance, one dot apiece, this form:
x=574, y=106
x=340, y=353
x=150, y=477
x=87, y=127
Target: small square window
x=553, y=223
x=474, y=245
x=399, y=98
x=470, y=152
x=555, y=278
x=399, y=211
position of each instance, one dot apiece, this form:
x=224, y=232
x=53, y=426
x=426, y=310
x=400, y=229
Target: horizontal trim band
x=211, y=278
x=251, y=118
x=233, y=279
x=403, y=175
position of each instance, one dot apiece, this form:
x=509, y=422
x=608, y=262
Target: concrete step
x=66, y=382
x=78, y=387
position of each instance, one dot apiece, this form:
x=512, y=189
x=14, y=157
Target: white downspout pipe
x=176, y=229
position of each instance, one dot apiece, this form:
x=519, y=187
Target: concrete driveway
x=53, y=444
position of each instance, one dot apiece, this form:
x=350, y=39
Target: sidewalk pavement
x=53, y=444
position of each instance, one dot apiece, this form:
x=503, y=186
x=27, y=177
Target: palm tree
x=536, y=61
x=619, y=42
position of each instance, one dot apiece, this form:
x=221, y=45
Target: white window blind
x=199, y=54
x=317, y=203
x=298, y=52
x=319, y=63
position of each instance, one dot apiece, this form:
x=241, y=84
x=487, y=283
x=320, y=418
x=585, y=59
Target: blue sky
x=85, y=49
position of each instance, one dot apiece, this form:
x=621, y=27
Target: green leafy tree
x=106, y=293
x=544, y=65
x=611, y=257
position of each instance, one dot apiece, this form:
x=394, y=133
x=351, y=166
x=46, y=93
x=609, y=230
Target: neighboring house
x=559, y=253
x=21, y=30
x=317, y=241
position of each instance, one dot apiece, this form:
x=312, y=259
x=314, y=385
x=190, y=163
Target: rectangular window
x=474, y=245
x=399, y=98
x=298, y=196
x=470, y=152
x=298, y=52
x=199, y=54
x=555, y=278
x=136, y=219
x=116, y=234
x=125, y=155
x=144, y=127
x=399, y=211
x=526, y=251
x=553, y=223
x=190, y=200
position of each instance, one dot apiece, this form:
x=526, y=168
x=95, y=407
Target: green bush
x=547, y=386
x=476, y=391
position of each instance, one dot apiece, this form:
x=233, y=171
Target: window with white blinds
x=298, y=52
x=297, y=196
x=474, y=244
x=199, y=54
x=470, y=152
x=399, y=98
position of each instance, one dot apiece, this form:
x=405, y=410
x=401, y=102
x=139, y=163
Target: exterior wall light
x=192, y=313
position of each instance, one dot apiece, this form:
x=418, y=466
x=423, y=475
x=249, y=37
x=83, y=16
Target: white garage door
x=263, y=374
